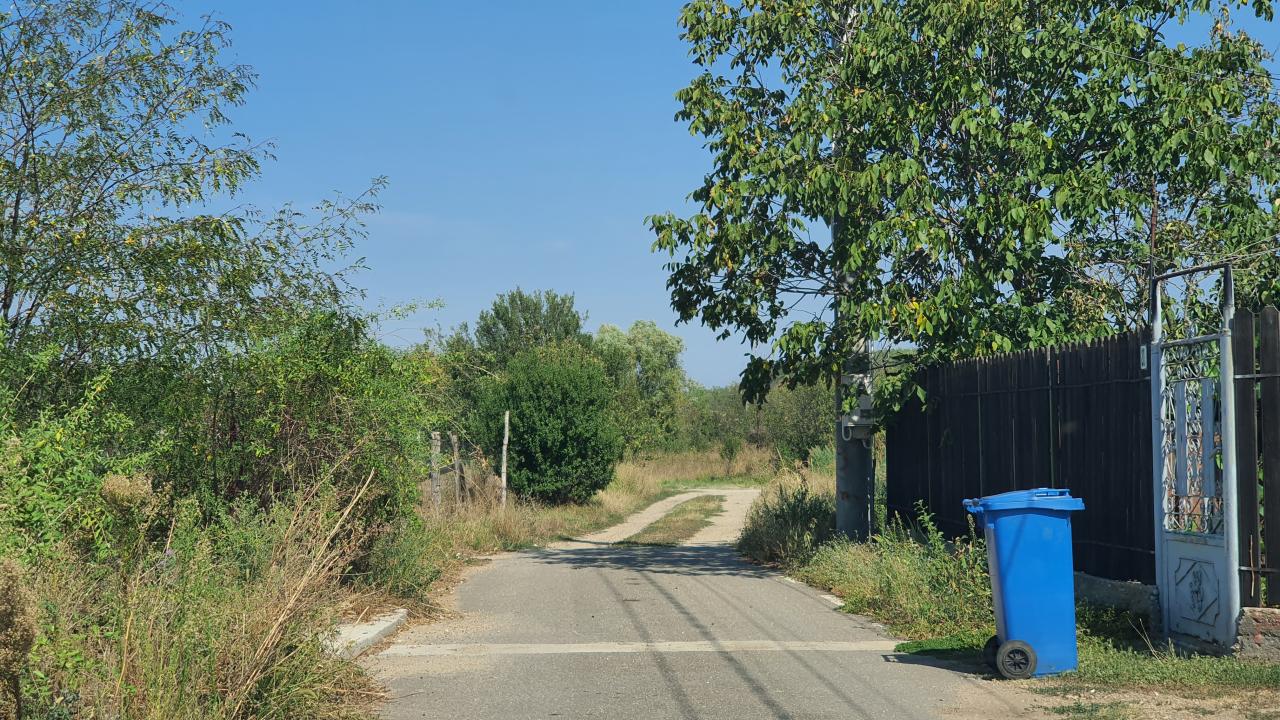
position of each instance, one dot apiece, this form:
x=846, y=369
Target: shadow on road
x=681, y=560
x=961, y=662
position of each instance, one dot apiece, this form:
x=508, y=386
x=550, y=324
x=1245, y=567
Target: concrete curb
x=351, y=641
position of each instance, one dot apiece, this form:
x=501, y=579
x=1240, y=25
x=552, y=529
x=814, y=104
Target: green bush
x=791, y=422
x=564, y=442
x=786, y=526
x=318, y=398
x=823, y=459
x=51, y=472
x=320, y=395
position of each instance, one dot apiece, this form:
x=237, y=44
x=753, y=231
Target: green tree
x=799, y=419
x=112, y=142
x=991, y=170
x=519, y=320
x=711, y=418
x=644, y=364
x=564, y=441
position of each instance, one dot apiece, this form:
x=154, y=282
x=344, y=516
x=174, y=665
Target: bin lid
x=1038, y=499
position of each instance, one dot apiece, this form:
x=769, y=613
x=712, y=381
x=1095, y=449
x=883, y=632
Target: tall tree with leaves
x=111, y=145
x=520, y=320
x=994, y=172
x=644, y=365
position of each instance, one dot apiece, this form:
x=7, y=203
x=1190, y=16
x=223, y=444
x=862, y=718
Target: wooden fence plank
x=1076, y=416
x=1269, y=368
x=1242, y=341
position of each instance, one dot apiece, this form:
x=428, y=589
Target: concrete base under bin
x=1259, y=634
x=1135, y=597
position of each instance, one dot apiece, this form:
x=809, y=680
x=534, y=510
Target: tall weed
x=911, y=578
x=203, y=626
x=790, y=520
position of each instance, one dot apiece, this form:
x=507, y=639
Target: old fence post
x=435, y=468
x=506, y=435
x=457, y=469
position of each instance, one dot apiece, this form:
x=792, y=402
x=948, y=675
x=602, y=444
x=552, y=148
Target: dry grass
x=17, y=633
x=751, y=465
x=682, y=523
x=225, y=622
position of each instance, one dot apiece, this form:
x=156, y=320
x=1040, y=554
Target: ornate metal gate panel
x=1194, y=453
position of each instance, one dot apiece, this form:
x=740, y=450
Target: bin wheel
x=989, y=651
x=1016, y=660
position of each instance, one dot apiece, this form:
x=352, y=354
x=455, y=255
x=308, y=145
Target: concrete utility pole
x=855, y=461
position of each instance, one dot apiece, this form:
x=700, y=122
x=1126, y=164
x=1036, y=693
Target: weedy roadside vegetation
x=935, y=592
x=222, y=619
x=792, y=518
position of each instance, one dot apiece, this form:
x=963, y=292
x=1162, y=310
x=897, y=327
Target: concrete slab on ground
x=353, y=639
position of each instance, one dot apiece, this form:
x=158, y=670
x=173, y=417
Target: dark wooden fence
x=1256, y=352
x=1077, y=416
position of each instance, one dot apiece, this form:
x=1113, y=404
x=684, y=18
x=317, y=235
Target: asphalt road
x=594, y=630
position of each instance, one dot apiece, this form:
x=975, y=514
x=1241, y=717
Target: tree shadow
x=663, y=559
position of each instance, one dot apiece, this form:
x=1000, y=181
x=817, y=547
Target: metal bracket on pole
x=860, y=422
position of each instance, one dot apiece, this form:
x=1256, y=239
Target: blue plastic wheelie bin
x=1028, y=535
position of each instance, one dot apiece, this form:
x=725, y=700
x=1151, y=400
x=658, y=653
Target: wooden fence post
x=457, y=469
x=435, y=469
x=506, y=434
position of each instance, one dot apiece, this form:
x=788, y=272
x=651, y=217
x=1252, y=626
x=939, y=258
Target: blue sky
x=524, y=142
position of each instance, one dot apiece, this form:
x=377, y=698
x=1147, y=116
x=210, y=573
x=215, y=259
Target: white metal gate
x=1192, y=409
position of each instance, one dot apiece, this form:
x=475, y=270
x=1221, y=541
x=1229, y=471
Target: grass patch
x=922, y=589
x=684, y=520
x=1115, y=651
x=750, y=467
x=964, y=645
